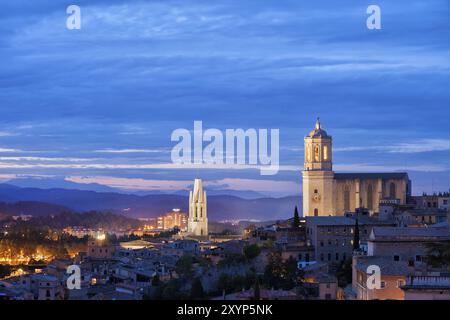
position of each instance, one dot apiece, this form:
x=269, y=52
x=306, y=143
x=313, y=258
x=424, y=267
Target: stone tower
x=198, y=219
x=318, y=175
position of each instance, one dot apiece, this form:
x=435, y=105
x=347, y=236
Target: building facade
x=198, y=216
x=326, y=193
x=173, y=219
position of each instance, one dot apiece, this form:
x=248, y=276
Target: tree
x=155, y=280
x=171, y=291
x=344, y=273
x=296, y=220
x=356, y=236
x=256, y=290
x=197, y=291
x=251, y=251
x=184, y=266
x=438, y=254
x=282, y=275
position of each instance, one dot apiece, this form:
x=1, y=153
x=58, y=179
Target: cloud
x=50, y=159
x=9, y=150
x=131, y=183
x=258, y=185
x=130, y=150
x=363, y=167
x=421, y=145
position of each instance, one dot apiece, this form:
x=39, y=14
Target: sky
x=99, y=104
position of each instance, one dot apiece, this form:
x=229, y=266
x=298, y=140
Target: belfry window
x=325, y=152
x=308, y=153
x=316, y=153
x=316, y=212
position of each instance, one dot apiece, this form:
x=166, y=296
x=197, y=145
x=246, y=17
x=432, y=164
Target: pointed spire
x=318, y=123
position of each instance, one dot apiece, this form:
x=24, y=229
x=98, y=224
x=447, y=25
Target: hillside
x=220, y=207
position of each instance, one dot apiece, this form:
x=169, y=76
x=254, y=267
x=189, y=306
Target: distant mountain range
x=60, y=183
x=220, y=207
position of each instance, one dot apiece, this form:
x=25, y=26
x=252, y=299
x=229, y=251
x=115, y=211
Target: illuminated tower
x=198, y=219
x=318, y=174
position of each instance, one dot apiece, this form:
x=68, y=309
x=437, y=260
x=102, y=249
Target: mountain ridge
x=220, y=207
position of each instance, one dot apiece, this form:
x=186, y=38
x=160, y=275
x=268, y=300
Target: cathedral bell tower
x=318, y=173
x=198, y=218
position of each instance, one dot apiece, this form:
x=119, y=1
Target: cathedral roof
x=318, y=132
x=371, y=175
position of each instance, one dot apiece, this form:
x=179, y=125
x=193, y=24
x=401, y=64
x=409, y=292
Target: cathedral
x=327, y=193
x=198, y=219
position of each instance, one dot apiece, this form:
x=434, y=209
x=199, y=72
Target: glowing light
x=101, y=236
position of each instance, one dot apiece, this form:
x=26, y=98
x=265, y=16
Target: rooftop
x=388, y=267
x=344, y=221
x=371, y=175
x=409, y=234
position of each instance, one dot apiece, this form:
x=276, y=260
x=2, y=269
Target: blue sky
x=99, y=104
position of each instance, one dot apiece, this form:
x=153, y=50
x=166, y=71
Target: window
x=383, y=284
x=396, y=258
x=316, y=153
x=369, y=197
x=445, y=202
x=321, y=243
x=346, y=199
x=328, y=286
x=325, y=152
x=307, y=257
x=321, y=257
x=327, y=296
x=344, y=256
x=308, y=154
x=329, y=242
x=392, y=191
x=329, y=257
x=316, y=212
x=400, y=283
x=300, y=256
x=337, y=256
x=418, y=258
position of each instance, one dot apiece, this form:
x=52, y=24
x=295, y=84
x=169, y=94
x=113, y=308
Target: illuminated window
x=316, y=153
x=308, y=153
x=325, y=152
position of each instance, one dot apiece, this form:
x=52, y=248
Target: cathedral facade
x=198, y=218
x=327, y=193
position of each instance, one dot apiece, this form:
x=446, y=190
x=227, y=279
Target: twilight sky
x=98, y=105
